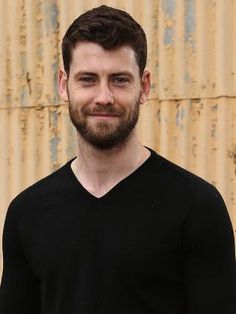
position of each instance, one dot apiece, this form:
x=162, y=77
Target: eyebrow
x=80, y=73
x=122, y=73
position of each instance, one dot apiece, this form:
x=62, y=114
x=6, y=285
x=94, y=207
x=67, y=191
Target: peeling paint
x=54, y=142
x=169, y=7
x=196, y=54
x=51, y=15
x=23, y=62
x=39, y=90
x=180, y=115
x=71, y=143
x=189, y=28
x=55, y=67
x=39, y=52
x=168, y=36
x=23, y=96
x=53, y=118
x=186, y=77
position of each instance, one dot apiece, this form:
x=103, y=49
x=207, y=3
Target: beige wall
x=190, y=116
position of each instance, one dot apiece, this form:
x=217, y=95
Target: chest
x=137, y=237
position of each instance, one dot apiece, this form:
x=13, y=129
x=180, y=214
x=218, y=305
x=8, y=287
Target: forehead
x=87, y=56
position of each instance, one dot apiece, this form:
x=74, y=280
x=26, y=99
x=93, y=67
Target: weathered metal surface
x=190, y=117
x=196, y=49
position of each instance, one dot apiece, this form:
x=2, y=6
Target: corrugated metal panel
x=196, y=52
x=190, y=117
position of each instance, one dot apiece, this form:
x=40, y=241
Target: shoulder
x=41, y=192
x=186, y=192
x=205, y=219
x=181, y=179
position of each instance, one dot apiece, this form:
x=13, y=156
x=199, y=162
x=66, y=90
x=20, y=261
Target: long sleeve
x=19, y=293
x=210, y=258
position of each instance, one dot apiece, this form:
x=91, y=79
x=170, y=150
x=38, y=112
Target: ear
x=62, y=85
x=145, y=86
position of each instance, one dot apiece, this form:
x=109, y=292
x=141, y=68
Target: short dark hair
x=109, y=27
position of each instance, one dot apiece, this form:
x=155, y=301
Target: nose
x=104, y=95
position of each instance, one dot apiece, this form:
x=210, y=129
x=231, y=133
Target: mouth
x=104, y=114
x=104, y=117
x=102, y=111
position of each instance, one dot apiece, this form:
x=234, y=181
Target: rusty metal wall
x=190, y=116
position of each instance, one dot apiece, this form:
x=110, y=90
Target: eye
x=120, y=80
x=87, y=80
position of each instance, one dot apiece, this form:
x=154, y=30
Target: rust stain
x=231, y=154
x=214, y=107
x=159, y=115
x=41, y=118
x=213, y=128
x=28, y=80
x=194, y=146
x=23, y=122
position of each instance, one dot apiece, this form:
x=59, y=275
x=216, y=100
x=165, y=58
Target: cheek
x=80, y=97
x=127, y=100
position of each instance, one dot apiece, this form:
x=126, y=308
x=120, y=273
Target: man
x=118, y=229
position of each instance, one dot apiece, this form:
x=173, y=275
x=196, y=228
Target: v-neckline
x=125, y=180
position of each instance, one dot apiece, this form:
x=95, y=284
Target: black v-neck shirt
x=160, y=242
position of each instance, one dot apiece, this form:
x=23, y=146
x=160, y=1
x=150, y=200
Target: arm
x=19, y=292
x=210, y=257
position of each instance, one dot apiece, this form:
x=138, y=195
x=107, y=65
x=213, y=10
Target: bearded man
x=118, y=229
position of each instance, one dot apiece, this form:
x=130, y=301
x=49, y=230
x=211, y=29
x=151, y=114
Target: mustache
x=102, y=110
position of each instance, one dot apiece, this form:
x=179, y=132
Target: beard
x=104, y=134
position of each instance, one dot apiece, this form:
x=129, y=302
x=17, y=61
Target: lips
x=102, y=112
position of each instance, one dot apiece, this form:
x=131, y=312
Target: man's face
x=104, y=90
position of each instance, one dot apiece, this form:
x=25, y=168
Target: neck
x=100, y=170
